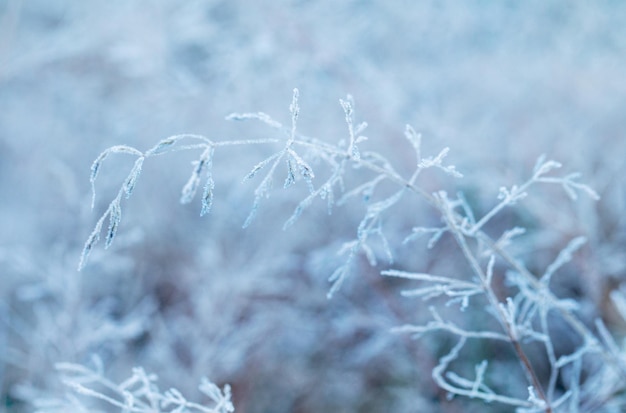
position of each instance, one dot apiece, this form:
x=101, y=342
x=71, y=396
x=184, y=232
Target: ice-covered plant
x=510, y=303
x=137, y=394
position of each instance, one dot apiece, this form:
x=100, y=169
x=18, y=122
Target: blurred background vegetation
x=500, y=82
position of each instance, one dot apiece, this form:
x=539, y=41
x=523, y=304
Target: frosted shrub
x=504, y=301
x=139, y=393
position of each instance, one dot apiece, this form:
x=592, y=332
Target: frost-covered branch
x=137, y=394
x=521, y=317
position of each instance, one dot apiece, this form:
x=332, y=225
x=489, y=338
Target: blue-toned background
x=499, y=82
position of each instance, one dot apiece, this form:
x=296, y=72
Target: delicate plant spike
x=511, y=196
x=95, y=167
x=338, y=277
x=294, y=109
x=568, y=182
x=467, y=210
x=261, y=165
x=348, y=108
x=207, y=194
x=416, y=141
x=291, y=176
x=93, y=239
x=264, y=188
x=162, y=146
x=325, y=191
x=437, y=162
x=365, y=190
x=115, y=216
x=263, y=117
x=419, y=231
x=508, y=235
x=542, y=166
x=200, y=166
x=439, y=324
x=571, y=186
x=459, y=291
x=304, y=168
x=564, y=257
x=131, y=181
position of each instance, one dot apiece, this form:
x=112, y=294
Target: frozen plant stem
x=505, y=321
x=583, y=331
